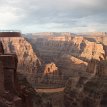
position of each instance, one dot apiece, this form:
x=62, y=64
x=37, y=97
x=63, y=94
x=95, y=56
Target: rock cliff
x=69, y=53
x=77, y=46
x=28, y=62
x=15, y=90
x=50, y=69
x=88, y=91
x=82, y=60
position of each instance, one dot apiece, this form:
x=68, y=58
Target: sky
x=54, y=15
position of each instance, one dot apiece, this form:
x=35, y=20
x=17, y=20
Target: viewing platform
x=10, y=33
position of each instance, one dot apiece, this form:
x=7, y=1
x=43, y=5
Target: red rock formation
x=68, y=53
x=28, y=62
x=50, y=69
x=9, y=80
x=13, y=93
x=76, y=46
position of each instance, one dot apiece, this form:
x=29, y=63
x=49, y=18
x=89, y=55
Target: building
x=10, y=33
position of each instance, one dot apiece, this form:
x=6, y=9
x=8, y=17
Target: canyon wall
x=28, y=62
x=88, y=91
x=81, y=61
x=70, y=53
x=99, y=39
x=76, y=46
x=15, y=90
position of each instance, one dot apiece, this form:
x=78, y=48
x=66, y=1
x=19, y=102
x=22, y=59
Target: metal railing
x=10, y=30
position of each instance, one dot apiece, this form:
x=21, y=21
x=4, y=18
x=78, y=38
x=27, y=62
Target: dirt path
x=50, y=90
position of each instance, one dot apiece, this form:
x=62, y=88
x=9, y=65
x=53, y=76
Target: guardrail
x=10, y=31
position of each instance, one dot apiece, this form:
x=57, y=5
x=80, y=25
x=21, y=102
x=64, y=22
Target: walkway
x=54, y=90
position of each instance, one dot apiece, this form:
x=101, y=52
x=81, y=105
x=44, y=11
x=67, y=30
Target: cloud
x=53, y=15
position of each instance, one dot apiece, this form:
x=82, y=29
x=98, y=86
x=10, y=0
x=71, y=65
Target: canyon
x=81, y=64
x=71, y=54
x=54, y=70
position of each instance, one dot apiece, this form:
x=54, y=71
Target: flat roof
x=9, y=33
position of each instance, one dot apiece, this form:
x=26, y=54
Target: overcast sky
x=54, y=15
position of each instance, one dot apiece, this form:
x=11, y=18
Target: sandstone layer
x=28, y=62
x=15, y=90
x=77, y=46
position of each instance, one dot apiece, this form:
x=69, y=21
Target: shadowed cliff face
x=28, y=62
x=15, y=90
x=90, y=91
x=27, y=58
x=77, y=46
x=70, y=54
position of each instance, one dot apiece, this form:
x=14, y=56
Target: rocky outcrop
x=49, y=77
x=91, y=91
x=49, y=72
x=28, y=62
x=24, y=51
x=15, y=91
x=50, y=69
x=100, y=39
